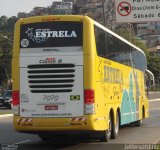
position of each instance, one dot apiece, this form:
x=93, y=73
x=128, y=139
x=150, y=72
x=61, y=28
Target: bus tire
x=106, y=135
x=115, y=127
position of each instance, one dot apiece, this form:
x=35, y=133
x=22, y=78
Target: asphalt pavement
x=154, y=95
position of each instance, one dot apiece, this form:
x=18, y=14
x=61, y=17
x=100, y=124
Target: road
x=148, y=133
x=154, y=95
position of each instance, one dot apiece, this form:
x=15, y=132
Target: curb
x=7, y=115
x=152, y=92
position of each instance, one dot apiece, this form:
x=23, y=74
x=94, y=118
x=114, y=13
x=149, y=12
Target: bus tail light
x=89, y=101
x=15, y=102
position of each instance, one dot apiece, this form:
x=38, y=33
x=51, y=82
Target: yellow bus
x=72, y=75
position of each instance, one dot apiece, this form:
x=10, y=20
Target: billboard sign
x=137, y=10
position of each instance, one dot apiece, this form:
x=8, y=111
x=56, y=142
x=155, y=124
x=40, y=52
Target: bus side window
x=123, y=53
x=112, y=48
x=111, y=40
x=139, y=60
x=100, y=42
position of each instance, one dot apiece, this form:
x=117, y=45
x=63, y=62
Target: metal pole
x=104, y=11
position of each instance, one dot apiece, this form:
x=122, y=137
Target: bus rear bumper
x=57, y=124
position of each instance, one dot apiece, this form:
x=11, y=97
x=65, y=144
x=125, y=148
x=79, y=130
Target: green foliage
x=6, y=39
x=5, y=56
x=126, y=33
x=7, y=24
x=154, y=65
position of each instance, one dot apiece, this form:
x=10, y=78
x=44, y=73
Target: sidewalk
x=152, y=92
x=154, y=95
x=5, y=112
x=6, y=115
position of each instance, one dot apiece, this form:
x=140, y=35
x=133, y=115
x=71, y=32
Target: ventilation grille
x=51, y=78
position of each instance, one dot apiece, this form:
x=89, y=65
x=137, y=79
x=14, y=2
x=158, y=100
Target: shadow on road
x=58, y=143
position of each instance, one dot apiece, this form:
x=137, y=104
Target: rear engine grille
x=51, y=78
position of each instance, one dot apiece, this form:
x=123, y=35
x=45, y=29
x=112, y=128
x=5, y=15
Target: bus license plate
x=53, y=107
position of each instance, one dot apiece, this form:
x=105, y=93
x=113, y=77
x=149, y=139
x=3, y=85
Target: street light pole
x=108, y=12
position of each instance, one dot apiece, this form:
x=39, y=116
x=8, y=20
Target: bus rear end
x=49, y=93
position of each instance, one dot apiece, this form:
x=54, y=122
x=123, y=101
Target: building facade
x=62, y=8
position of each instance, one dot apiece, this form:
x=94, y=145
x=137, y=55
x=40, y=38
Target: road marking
x=23, y=142
x=7, y=115
x=156, y=141
x=154, y=100
x=155, y=108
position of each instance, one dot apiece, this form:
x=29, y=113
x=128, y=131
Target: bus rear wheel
x=115, y=127
x=106, y=135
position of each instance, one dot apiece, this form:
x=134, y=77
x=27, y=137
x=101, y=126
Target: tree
x=6, y=38
x=7, y=24
x=3, y=23
x=10, y=23
x=5, y=56
x=154, y=65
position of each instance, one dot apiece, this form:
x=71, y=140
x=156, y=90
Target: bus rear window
x=51, y=34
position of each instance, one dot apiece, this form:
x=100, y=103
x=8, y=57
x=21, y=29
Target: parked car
x=6, y=99
x=1, y=100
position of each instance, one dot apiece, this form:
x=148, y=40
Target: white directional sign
x=137, y=10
